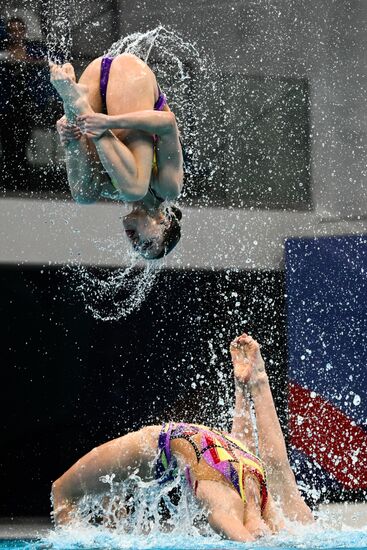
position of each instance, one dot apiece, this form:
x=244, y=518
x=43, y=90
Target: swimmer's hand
x=93, y=125
x=67, y=132
x=64, y=514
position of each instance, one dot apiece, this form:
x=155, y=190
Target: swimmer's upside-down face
x=145, y=232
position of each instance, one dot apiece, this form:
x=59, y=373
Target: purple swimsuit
x=105, y=73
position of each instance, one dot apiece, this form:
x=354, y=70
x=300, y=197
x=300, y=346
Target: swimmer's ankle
x=75, y=108
x=83, y=107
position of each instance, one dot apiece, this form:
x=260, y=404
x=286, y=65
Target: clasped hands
x=92, y=125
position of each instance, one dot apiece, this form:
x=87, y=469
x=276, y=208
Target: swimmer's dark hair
x=172, y=234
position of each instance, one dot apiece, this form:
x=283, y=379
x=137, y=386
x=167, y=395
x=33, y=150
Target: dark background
x=70, y=382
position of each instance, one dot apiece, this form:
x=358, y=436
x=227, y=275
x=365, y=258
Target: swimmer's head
x=153, y=235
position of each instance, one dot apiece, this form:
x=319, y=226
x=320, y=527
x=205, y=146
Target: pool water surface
x=91, y=539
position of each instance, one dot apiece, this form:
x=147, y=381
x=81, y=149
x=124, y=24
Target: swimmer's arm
x=92, y=166
x=128, y=163
x=83, y=169
x=160, y=123
x=84, y=478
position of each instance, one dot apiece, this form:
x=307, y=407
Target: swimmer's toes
x=243, y=372
x=251, y=348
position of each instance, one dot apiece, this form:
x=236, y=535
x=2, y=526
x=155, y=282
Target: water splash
x=112, y=295
x=169, y=526
x=59, y=18
x=137, y=514
x=133, y=510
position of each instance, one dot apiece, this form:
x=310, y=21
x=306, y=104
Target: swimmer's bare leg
x=242, y=428
x=128, y=167
x=87, y=159
x=82, y=164
x=272, y=447
x=73, y=94
x=132, y=453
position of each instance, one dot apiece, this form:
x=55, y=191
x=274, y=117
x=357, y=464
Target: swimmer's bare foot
x=249, y=366
x=74, y=95
x=242, y=366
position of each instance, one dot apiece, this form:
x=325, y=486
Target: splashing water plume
x=141, y=515
x=111, y=295
x=183, y=72
x=133, y=510
x=137, y=514
x=59, y=17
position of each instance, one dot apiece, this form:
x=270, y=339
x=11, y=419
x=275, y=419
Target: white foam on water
x=301, y=537
x=139, y=515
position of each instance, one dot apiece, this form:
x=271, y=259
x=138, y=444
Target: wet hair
x=172, y=234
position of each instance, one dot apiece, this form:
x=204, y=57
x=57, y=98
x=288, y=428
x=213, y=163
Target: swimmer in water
x=236, y=487
x=122, y=142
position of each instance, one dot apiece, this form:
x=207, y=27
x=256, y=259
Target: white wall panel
x=48, y=232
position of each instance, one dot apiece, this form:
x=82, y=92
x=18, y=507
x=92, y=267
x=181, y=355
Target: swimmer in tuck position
x=122, y=142
x=236, y=487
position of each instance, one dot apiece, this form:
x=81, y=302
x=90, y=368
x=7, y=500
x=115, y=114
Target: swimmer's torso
x=208, y=454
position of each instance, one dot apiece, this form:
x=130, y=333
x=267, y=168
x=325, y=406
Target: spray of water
x=134, y=511
x=111, y=295
x=60, y=17
x=183, y=72
x=143, y=515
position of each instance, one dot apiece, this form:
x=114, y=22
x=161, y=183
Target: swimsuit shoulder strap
x=105, y=73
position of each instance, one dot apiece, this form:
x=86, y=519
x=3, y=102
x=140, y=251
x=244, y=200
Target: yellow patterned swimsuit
x=223, y=453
